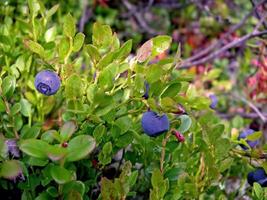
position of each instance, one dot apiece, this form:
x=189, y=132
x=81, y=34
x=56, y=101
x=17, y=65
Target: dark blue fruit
x=244, y=134
x=154, y=124
x=47, y=82
x=214, y=101
x=258, y=176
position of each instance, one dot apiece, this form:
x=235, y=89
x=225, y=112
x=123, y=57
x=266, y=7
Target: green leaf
x=34, y=7
x=67, y=130
x=213, y=74
x=33, y=147
x=3, y=148
x=10, y=169
x=18, y=122
x=105, y=60
x=69, y=27
x=133, y=178
x=222, y=145
x=63, y=48
x=28, y=132
x=52, y=11
x=55, y=152
x=78, y=42
x=102, y=36
x=15, y=108
x=225, y=164
x=74, y=185
x=124, y=51
x=41, y=196
x=74, y=87
x=2, y=105
x=34, y=47
x=5, y=40
x=124, y=140
x=79, y=147
x=52, y=191
x=105, y=79
x=25, y=107
x=37, y=162
x=73, y=195
x=51, y=135
x=258, y=191
x=60, y=174
x=215, y=132
x=98, y=133
x=90, y=92
x=160, y=44
x=124, y=123
x=154, y=73
x=173, y=174
x=105, y=155
x=107, y=148
x=254, y=136
x=264, y=166
x=185, y=123
x=8, y=86
x=93, y=53
x=171, y=90
x=160, y=186
x=50, y=34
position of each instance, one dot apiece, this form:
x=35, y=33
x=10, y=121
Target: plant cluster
x=93, y=121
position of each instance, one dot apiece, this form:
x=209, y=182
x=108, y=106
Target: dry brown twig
x=139, y=18
x=205, y=55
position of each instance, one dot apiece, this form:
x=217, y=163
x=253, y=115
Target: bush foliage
x=87, y=140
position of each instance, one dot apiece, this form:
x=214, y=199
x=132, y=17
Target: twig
x=85, y=16
x=164, y=142
x=230, y=45
x=248, y=154
x=257, y=13
x=173, y=5
x=150, y=3
x=192, y=61
x=139, y=18
x=219, y=43
x=244, y=115
x=251, y=105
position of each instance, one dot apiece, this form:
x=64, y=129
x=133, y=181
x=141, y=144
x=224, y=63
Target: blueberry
x=214, y=101
x=47, y=82
x=258, y=176
x=153, y=124
x=244, y=134
x=147, y=87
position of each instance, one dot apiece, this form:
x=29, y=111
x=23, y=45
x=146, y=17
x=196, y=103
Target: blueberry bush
x=91, y=117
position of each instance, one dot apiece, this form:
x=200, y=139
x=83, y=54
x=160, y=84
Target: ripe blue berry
x=244, y=134
x=258, y=176
x=153, y=124
x=214, y=101
x=47, y=82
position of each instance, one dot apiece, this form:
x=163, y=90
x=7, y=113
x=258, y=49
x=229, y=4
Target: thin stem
x=164, y=143
x=251, y=105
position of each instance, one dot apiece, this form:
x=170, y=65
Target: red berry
x=64, y=144
x=179, y=136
